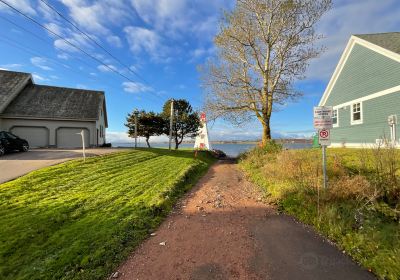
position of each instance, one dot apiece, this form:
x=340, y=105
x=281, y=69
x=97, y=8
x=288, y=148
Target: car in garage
x=10, y=142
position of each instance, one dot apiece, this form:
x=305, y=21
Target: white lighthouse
x=202, y=142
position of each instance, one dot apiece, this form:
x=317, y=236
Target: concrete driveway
x=14, y=165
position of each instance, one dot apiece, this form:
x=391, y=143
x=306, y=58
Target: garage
x=36, y=136
x=68, y=137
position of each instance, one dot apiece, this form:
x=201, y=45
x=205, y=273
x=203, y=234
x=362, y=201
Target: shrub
x=352, y=187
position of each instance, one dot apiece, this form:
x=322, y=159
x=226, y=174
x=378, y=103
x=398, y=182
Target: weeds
x=360, y=208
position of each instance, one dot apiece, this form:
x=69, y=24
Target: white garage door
x=69, y=137
x=36, y=136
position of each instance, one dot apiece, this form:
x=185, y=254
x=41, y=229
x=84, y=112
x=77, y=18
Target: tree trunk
x=176, y=142
x=266, y=134
x=147, y=141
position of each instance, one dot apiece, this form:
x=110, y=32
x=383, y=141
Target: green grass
x=290, y=182
x=80, y=220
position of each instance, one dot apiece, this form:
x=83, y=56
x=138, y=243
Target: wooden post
x=171, y=123
x=136, y=124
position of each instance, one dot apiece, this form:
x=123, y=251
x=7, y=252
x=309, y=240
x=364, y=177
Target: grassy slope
x=376, y=244
x=79, y=220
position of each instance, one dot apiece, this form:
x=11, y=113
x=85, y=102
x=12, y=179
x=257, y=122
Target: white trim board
x=356, y=145
x=343, y=59
x=368, y=97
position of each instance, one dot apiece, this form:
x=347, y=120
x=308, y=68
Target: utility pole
x=136, y=113
x=171, y=122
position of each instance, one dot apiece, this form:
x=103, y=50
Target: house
x=365, y=91
x=49, y=116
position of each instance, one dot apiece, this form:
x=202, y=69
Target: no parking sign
x=324, y=137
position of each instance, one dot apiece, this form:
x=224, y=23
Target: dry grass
x=360, y=210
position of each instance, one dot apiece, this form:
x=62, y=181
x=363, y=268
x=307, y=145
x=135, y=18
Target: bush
x=356, y=187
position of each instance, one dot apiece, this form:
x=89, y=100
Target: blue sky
x=163, y=41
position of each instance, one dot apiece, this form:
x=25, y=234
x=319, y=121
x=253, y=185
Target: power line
x=36, y=53
x=67, y=41
x=93, y=40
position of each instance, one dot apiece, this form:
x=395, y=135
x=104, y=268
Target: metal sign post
x=323, y=122
x=324, y=141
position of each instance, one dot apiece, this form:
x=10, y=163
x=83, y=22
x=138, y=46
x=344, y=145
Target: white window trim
x=360, y=121
x=337, y=118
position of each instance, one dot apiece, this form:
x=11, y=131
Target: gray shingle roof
x=40, y=101
x=10, y=84
x=389, y=41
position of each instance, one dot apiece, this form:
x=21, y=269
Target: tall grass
x=360, y=209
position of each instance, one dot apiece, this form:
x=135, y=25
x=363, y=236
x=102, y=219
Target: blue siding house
x=364, y=91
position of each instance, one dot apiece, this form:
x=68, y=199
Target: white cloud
x=108, y=68
x=41, y=62
x=96, y=16
x=11, y=66
x=145, y=40
x=56, y=28
x=63, y=56
x=115, y=41
x=347, y=18
x=24, y=6
x=75, y=39
x=117, y=137
x=39, y=77
x=163, y=14
x=201, y=52
x=136, y=87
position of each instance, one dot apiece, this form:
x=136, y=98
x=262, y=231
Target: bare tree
x=263, y=47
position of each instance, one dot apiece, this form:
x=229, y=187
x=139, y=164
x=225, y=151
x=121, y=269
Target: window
x=335, y=118
x=356, y=114
x=10, y=135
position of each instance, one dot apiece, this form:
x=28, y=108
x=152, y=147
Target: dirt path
x=222, y=230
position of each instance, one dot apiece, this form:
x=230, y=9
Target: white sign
x=323, y=117
x=324, y=137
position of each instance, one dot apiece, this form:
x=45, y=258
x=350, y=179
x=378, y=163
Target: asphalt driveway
x=14, y=165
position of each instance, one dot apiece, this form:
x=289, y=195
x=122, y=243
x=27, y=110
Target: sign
x=323, y=117
x=324, y=136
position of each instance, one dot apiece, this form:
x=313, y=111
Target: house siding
x=375, y=113
x=364, y=73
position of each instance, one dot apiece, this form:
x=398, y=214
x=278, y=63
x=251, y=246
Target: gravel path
x=222, y=230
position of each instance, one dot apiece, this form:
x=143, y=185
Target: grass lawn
x=80, y=220
x=360, y=211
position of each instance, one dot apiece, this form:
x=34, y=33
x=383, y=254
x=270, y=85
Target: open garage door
x=36, y=136
x=69, y=138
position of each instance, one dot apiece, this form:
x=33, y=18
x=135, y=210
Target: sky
x=159, y=44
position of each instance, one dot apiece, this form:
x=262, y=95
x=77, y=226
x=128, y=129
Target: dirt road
x=222, y=230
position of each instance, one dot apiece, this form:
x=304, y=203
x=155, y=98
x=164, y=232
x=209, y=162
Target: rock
x=163, y=243
x=115, y=274
x=201, y=208
x=153, y=234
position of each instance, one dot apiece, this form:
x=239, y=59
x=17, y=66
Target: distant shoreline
x=240, y=142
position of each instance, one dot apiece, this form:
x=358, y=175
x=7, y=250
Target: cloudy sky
x=158, y=44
